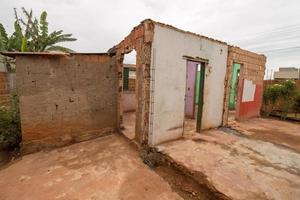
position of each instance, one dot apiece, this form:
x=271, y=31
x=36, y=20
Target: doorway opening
x=129, y=95
x=233, y=94
x=195, y=75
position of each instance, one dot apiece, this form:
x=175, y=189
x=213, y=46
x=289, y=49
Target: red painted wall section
x=251, y=108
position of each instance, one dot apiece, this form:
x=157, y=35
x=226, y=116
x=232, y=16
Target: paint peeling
x=248, y=91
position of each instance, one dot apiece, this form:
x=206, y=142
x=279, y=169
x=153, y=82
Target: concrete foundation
x=248, y=164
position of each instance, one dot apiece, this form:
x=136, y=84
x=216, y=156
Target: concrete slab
x=238, y=166
x=104, y=168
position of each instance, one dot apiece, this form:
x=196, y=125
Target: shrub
x=297, y=103
x=288, y=95
x=270, y=96
x=10, y=126
x=281, y=97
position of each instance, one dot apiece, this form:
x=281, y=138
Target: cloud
x=100, y=24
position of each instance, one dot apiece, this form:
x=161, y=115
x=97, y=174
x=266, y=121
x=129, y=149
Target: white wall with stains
x=169, y=79
x=248, y=91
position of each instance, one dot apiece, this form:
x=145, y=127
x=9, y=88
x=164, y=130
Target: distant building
x=287, y=73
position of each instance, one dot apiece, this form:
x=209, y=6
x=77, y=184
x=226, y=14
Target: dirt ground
x=254, y=159
x=104, y=168
x=129, y=125
x=241, y=166
x=275, y=131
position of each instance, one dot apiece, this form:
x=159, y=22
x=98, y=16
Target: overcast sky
x=271, y=27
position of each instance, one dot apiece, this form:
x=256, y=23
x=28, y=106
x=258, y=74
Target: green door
x=200, y=84
x=125, y=78
x=197, y=83
x=233, y=84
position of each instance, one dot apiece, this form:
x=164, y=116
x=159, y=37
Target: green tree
x=270, y=96
x=283, y=97
x=32, y=35
x=297, y=104
x=10, y=125
x=288, y=95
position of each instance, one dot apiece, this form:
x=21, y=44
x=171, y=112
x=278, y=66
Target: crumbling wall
x=65, y=99
x=170, y=46
x=140, y=40
x=250, y=88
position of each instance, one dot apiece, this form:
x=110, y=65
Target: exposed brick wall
x=252, y=69
x=140, y=39
x=4, y=88
x=65, y=99
x=131, y=84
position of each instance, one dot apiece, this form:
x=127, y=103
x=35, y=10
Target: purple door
x=190, y=89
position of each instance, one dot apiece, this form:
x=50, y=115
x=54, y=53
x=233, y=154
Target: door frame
x=201, y=97
x=194, y=89
x=235, y=70
x=203, y=64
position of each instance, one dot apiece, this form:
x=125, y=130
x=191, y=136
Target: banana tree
x=32, y=35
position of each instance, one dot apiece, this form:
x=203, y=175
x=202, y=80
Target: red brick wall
x=131, y=84
x=4, y=87
x=140, y=39
x=65, y=99
x=252, y=69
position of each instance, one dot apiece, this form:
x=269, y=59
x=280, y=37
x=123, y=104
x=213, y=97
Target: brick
x=253, y=67
x=66, y=97
x=140, y=40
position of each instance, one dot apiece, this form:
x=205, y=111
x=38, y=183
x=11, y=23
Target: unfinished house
x=182, y=82
x=186, y=82
x=244, y=84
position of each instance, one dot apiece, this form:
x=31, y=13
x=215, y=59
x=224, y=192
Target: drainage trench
x=189, y=185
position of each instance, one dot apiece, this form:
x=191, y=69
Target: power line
x=283, y=49
x=284, y=29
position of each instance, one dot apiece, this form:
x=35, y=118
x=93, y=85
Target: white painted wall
x=169, y=74
x=248, y=91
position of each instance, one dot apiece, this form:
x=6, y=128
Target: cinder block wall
x=66, y=99
x=4, y=88
x=253, y=69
